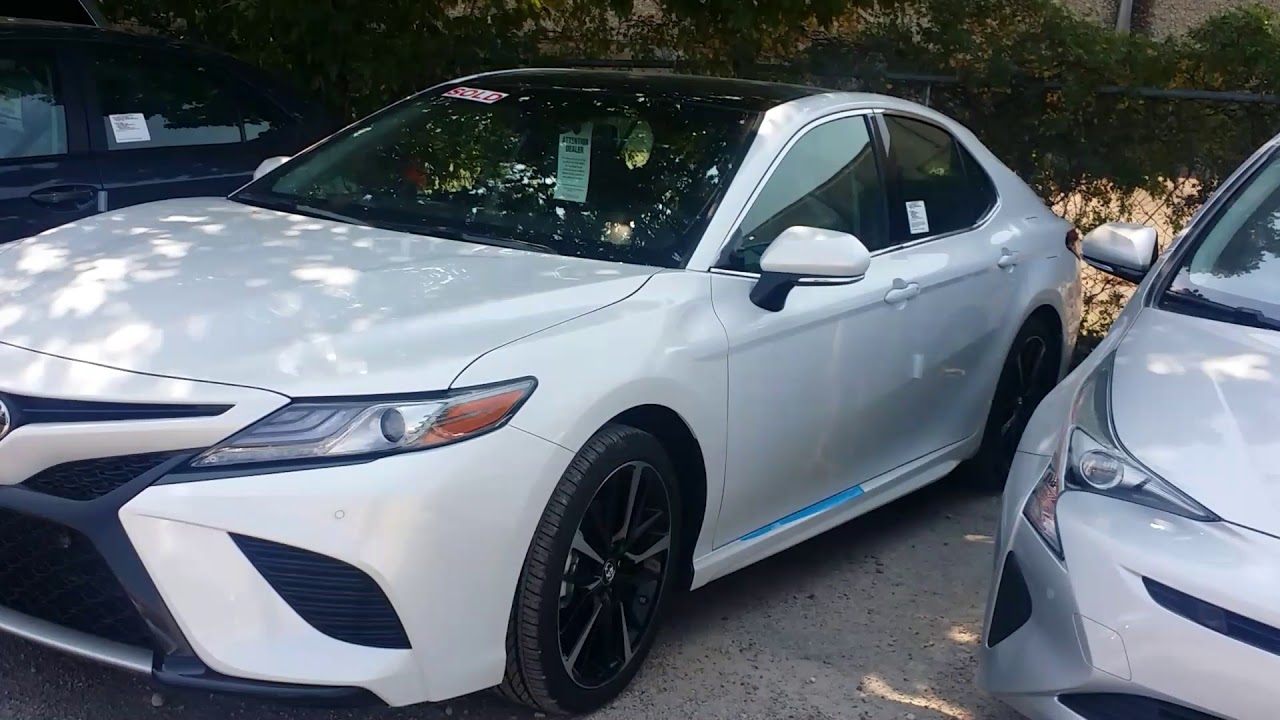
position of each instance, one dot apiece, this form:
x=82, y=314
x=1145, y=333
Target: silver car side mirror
x=1125, y=250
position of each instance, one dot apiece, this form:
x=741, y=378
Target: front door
x=46, y=176
x=814, y=389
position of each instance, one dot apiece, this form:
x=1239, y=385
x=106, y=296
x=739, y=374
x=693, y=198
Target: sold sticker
x=485, y=96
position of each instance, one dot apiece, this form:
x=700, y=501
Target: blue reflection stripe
x=814, y=509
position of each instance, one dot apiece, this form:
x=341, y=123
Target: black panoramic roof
x=747, y=95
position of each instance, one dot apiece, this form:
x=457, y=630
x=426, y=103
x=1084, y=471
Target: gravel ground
x=876, y=619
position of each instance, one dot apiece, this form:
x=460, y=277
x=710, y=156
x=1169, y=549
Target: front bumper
x=386, y=581
x=1096, y=636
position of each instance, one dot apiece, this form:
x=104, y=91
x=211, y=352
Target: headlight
x=1090, y=458
x=311, y=430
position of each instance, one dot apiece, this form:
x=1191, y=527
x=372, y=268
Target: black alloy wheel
x=1030, y=372
x=614, y=574
x=598, y=578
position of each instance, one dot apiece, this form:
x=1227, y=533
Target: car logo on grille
x=5, y=419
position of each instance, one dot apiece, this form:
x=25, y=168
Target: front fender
x=662, y=345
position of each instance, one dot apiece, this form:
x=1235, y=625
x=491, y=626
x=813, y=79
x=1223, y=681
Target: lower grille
x=337, y=599
x=91, y=479
x=54, y=573
x=1207, y=615
x=1103, y=706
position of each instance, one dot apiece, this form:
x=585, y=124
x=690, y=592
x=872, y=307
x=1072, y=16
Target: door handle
x=902, y=294
x=78, y=194
x=1008, y=259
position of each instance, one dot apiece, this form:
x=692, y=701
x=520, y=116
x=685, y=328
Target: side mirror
x=1126, y=250
x=807, y=256
x=268, y=165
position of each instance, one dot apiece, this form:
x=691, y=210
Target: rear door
x=166, y=123
x=945, y=236
x=47, y=177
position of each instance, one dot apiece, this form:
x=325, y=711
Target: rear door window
x=941, y=188
x=33, y=118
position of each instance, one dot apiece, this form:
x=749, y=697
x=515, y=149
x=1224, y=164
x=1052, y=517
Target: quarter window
x=941, y=187
x=33, y=119
x=828, y=179
x=153, y=100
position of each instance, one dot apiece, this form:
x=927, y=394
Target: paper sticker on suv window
x=573, y=165
x=917, y=217
x=11, y=113
x=129, y=128
x=485, y=96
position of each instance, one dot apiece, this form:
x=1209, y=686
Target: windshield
x=1233, y=272
x=617, y=176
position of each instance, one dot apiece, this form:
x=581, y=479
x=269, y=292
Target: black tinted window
x=32, y=117
x=611, y=175
x=941, y=187
x=828, y=179
x=261, y=116
x=151, y=99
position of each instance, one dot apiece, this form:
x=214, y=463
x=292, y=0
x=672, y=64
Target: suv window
x=158, y=100
x=32, y=116
x=828, y=179
x=942, y=188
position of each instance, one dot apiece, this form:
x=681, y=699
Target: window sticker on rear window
x=487, y=97
x=917, y=217
x=11, y=113
x=573, y=166
x=130, y=127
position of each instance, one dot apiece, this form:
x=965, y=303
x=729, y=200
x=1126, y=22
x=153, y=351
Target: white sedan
x=1138, y=559
x=462, y=396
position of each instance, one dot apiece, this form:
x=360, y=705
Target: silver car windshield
x=1233, y=271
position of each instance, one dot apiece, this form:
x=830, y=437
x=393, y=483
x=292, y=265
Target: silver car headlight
x=320, y=429
x=1090, y=458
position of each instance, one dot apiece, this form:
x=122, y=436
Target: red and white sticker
x=485, y=96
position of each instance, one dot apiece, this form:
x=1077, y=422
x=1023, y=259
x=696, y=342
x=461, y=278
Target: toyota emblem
x=6, y=421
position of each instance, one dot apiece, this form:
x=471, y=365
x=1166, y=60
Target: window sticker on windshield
x=488, y=97
x=917, y=217
x=11, y=113
x=573, y=167
x=129, y=128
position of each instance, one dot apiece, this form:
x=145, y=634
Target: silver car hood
x=1197, y=401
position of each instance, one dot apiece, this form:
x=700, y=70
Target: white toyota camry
x=462, y=396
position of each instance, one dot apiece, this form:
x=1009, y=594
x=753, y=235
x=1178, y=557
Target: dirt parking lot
x=877, y=619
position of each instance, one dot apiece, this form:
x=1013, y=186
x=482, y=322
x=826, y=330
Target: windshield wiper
x=452, y=233
x=1213, y=310
x=442, y=231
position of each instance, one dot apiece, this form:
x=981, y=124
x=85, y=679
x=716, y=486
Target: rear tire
x=1030, y=372
x=598, y=577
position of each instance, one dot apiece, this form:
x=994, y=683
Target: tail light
x=1073, y=242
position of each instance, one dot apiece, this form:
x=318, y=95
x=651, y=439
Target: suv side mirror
x=1125, y=250
x=803, y=255
x=268, y=165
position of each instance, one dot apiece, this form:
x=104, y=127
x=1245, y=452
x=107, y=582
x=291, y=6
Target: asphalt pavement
x=877, y=619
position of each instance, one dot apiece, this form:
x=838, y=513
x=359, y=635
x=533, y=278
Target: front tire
x=1030, y=372
x=598, y=577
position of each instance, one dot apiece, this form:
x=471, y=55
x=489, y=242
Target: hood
x=209, y=289
x=1197, y=401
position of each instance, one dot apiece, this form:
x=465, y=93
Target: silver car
x=1137, y=570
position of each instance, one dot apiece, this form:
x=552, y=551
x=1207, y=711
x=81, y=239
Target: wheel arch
x=686, y=453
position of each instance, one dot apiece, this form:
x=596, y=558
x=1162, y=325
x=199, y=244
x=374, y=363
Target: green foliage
x=1037, y=84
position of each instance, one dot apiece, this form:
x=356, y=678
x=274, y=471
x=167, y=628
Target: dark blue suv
x=92, y=120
